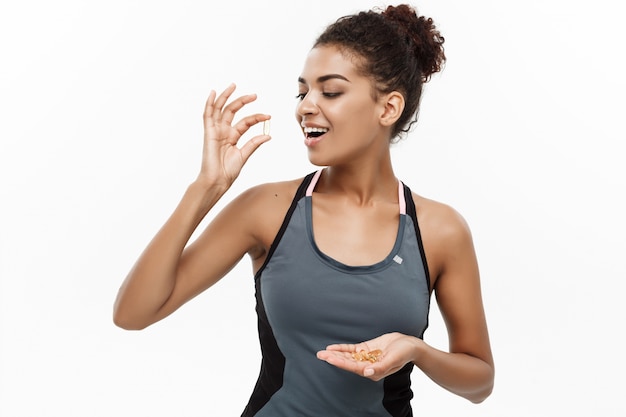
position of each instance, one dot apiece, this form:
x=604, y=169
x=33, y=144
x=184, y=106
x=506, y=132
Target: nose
x=307, y=105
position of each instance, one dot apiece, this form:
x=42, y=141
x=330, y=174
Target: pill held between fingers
x=266, y=127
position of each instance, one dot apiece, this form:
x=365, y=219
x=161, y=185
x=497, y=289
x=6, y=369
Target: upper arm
x=457, y=286
x=221, y=245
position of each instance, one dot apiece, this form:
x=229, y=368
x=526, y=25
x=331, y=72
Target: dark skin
x=355, y=219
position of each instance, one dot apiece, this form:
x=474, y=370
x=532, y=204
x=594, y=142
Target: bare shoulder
x=273, y=189
x=445, y=232
x=261, y=210
x=442, y=216
x=266, y=199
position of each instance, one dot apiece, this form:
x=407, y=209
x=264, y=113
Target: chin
x=318, y=161
x=326, y=160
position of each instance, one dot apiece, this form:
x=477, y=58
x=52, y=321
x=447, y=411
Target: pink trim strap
x=309, y=190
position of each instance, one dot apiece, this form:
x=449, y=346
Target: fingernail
x=368, y=372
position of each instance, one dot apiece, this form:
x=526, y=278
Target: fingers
x=229, y=112
x=208, y=110
x=341, y=360
x=252, y=145
x=365, y=359
x=344, y=360
x=346, y=347
x=247, y=122
x=221, y=101
x=342, y=347
x=216, y=110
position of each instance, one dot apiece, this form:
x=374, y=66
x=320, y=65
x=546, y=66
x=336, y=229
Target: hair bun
x=422, y=34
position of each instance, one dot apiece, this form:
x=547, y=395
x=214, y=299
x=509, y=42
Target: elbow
x=479, y=397
x=482, y=394
x=127, y=322
x=127, y=325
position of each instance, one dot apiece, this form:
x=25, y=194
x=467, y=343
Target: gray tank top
x=307, y=300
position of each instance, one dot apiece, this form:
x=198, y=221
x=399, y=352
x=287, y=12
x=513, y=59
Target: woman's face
x=337, y=111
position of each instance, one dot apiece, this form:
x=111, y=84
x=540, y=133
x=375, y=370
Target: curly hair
x=397, y=48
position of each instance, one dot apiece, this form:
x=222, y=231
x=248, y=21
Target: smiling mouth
x=314, y=132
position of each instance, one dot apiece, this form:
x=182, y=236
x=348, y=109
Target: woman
x=343, y=270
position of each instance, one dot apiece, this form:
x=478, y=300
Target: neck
x=362, y=184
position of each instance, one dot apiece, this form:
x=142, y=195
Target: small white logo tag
x=397, y=259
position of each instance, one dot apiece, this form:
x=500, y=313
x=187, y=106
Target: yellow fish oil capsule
x=374, y=355
x=266, y=127
x=362, y=355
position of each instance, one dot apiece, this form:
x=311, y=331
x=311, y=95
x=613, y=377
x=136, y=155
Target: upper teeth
x=315, y=129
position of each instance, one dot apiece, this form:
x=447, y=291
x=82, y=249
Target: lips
x=313, y=134
x=311, y=141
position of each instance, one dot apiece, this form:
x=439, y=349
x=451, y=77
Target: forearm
x=153, y=277
x=460, y=373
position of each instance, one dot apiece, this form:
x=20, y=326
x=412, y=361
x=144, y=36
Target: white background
x=100, y=130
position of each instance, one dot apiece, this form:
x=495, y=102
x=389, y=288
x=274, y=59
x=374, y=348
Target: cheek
x=297, y=114
x=351, y=115
x=361, y=117
x=364, y=107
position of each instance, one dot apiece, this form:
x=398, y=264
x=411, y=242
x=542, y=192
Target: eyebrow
x=324, y=78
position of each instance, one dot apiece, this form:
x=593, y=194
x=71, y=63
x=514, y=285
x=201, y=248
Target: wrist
x=207, y=189
x=201, y=196
x=418, y=351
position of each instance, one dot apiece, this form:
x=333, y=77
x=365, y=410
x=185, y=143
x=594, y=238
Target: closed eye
x=327, y=95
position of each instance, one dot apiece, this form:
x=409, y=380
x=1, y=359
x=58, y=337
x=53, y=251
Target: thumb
x=252, y=145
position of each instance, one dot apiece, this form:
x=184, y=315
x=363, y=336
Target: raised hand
x=374, y=359
x=222, y=159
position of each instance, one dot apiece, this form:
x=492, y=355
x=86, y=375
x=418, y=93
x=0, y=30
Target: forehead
x=324, y=60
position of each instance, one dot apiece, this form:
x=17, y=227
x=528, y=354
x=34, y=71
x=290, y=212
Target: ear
x=393, y=105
